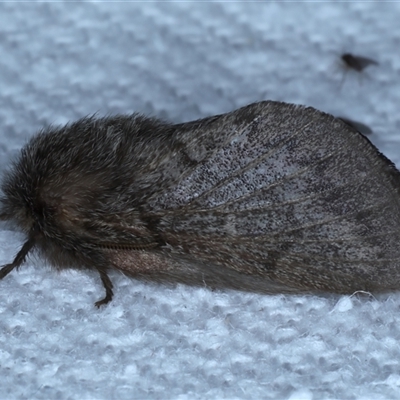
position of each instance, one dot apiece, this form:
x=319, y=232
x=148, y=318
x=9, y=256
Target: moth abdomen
x=268, y=198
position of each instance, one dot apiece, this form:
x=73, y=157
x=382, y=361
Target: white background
x=182, y=61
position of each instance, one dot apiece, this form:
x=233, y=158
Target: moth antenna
x=107, y=285
x=20, y=257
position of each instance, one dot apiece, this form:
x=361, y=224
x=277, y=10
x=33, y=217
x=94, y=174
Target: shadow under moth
x=270, y=198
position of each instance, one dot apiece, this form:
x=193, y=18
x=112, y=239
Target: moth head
x=46, y=174
x=46, y=207
x=26, y=202
x=15, y=206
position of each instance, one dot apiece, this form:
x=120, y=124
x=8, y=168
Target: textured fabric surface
x=182, y=61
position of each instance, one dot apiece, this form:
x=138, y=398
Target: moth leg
x=108, y=286
x=20, y=257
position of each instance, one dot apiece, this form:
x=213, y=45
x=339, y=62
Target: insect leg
x=20, y=257
x=107, y=285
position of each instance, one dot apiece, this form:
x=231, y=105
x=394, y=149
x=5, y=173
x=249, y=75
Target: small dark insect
x=360, y=127
x=268, y=198
x=357, y=63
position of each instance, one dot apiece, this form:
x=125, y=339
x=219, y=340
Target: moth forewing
x=302, y=202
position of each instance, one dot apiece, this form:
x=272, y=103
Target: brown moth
x=269, y=198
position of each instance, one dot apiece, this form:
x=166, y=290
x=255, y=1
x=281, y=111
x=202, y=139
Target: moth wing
x=288, y=194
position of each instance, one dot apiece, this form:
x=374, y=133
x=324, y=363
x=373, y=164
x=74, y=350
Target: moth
x=270, y=198
x=358, y=63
